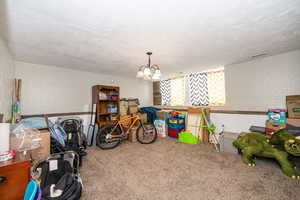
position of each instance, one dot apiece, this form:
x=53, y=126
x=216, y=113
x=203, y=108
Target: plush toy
x=279, y=145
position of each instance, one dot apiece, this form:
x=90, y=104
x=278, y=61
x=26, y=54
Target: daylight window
x=201, y=89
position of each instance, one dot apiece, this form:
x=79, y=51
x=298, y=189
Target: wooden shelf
x=102, y=116
x=106, y=122
x=108, y=113
x=108, y=100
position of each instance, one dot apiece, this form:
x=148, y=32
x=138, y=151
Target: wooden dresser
x=16, y=173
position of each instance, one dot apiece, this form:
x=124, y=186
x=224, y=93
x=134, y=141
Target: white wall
x=7, y=71
x=237, y=123
x=256, y=86
x=263, y=83
x=49, y=89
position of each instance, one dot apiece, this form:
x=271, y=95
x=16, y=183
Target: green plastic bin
x=187, y=137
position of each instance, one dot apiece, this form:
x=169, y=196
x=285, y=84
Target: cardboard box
x=132, y=134
x=164, y=114
x=36, y=155
x=144, y=117
x=293, y=125
x=276, y=126
x=133, y=109
x=273, y=127
x=43, y=151
x=123, y=110
x=293, y=106
x=133, y=102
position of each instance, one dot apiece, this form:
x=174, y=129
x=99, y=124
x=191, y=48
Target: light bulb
x=140, y=74
x=147, y=71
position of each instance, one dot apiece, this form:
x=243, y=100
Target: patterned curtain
x=204, y=88
x=198, y=89
x=216, y=88
x=165, y=90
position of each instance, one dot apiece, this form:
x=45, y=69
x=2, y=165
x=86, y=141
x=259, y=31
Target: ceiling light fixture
x=149, y=72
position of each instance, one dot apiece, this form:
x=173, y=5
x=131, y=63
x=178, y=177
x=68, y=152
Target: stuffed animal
x=279, y=145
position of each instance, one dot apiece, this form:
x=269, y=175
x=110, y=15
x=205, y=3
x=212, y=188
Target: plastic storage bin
x=111, y=108
x=175, y=121
x=172, y=132
x=175, y=126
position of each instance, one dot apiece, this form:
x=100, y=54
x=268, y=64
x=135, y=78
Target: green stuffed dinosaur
x=278, y=146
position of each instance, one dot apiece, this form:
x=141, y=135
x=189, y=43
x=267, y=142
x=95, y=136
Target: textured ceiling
x=113, y=36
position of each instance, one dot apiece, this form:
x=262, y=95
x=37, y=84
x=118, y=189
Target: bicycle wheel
x=106, y=143
x=146, y=133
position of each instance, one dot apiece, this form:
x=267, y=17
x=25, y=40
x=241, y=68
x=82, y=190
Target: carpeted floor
x=170, y=170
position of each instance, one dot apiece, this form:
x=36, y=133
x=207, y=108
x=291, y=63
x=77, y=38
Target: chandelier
x=149, y=72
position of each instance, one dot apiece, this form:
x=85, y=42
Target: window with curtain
x=177, y=97
x=207, y=88
x=216, y=88
x=198, y=89
x=201, y=89
x=173, y=91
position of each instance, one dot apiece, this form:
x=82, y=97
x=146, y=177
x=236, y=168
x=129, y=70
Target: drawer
x=17, y=177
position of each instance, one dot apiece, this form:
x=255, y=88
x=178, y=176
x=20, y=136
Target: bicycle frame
x=134, y=118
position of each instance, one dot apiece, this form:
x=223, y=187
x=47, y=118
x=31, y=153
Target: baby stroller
x=59, y=177
x=67, y=135
x=73, y=126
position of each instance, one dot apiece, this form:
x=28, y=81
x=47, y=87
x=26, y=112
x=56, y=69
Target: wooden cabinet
x=107, y=100
x=17, y=175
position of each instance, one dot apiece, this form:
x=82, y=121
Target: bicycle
x=111, y=135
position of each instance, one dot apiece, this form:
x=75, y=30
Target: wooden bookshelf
x=107, y=100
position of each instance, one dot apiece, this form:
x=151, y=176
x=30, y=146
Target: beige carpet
x=170, y=170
